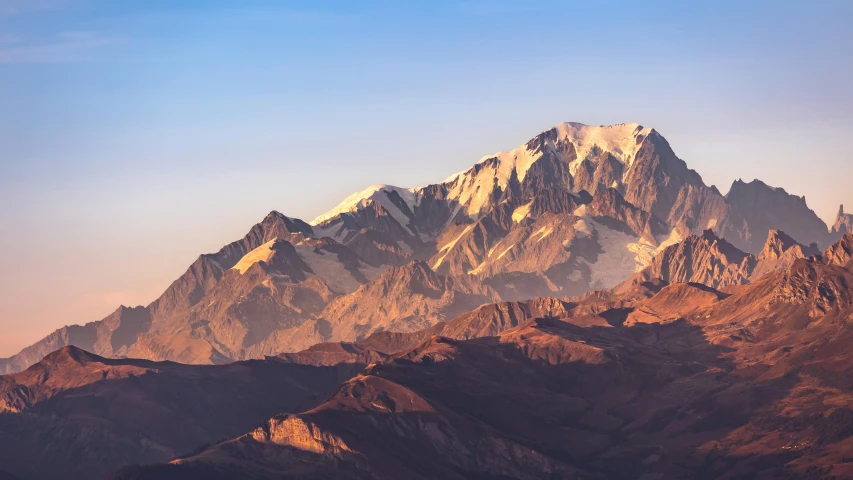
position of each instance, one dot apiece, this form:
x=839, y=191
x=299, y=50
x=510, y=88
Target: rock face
x=404, y=299
x=684, y=381
x=714, y=262
x=780, y=252
x=764, y=208
x=702, y=259
x=843, y=224
x=123, y=325
x=840, y=253
x=77, y=415
x=576, y=208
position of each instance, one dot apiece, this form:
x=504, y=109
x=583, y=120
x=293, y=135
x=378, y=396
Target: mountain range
x=576, y=208
x=582, y=306
x=665, y=381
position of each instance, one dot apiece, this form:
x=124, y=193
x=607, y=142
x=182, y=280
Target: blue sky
x=136, y=135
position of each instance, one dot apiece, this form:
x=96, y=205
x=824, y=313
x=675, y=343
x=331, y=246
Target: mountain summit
x=843, y=223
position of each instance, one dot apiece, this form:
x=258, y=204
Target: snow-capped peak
x=375, y=193
x=473, y=187
x=619, y=140
x=471, y=190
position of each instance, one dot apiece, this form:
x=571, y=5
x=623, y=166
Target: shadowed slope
x=78, y=415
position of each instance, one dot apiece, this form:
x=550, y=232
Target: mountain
x=765, y=208
x=840, y=253
x=702, y=259
x=843, y=224
x=716, y=263
x=577, y=208
x=685, y=382
x=77, y=415
x=486, y=320
x=703, y=381
x=118, y=411
x=228, y=305
x=100, y=333
x=780, y=252
x=404, y=299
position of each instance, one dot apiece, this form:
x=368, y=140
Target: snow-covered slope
x=261, y=254
x=343, y=274
x=622, y=254
x=374, y=193
x=622, y=141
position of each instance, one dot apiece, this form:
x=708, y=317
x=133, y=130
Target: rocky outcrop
x=485, y=321
x=702, y=259
x=714, y=262
x=780, y=252
x=843, y=224
x=841, y=252
x=292, y=431
x=337, y=353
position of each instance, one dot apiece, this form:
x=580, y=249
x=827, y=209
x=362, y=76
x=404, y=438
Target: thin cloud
x=239, y=14
x=501, y=7
x=68, y=46
x=15, y=7
x=7, y=39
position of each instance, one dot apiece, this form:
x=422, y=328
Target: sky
x=137, y=134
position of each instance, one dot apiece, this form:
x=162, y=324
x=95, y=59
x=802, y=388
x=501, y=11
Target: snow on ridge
x=459, y=174
x=473, y=190
x=324, y=264
x=521, y=212
x=620, y=140
x=336, y=232
x=374, y=193
x=263, y=253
